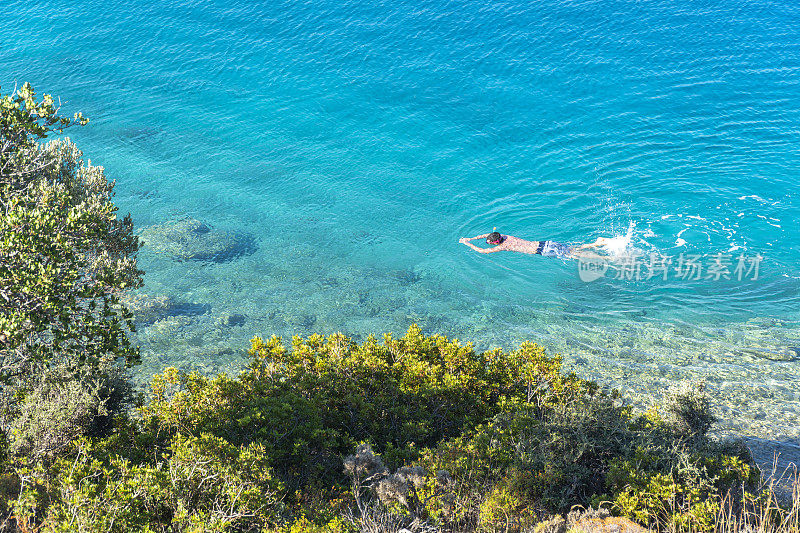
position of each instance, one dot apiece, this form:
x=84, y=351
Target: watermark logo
x=688, y=267
x=592, y=269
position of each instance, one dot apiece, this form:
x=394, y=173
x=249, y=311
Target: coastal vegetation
x=418, y=432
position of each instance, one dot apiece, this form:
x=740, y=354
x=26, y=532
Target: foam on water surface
x=618, y=245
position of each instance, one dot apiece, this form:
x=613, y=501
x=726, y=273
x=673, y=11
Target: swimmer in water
x=503, y=243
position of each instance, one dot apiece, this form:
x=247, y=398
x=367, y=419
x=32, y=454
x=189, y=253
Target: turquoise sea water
x=353, y=143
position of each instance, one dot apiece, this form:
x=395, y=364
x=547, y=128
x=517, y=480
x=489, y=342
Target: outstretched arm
x=473, y=238
x=464, y=240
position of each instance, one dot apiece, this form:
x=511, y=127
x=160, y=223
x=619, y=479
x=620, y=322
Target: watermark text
x=686, y=267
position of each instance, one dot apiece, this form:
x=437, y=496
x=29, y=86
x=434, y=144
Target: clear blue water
x=357, y=141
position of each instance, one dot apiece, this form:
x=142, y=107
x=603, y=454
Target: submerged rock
x=406, y=277
x=147, y=308
x=231, y=320
x=328, y=282
x=168, y=327
x=299, y=321
x=140, y=133
x=191, y=240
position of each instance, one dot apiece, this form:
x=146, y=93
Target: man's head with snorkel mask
x=494, y=238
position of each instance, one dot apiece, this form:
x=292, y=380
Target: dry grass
x=776, y=510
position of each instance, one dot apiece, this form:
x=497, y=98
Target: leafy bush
x=310, y=406
x=445, y=439
x=514, y=435
x=569, y=443
x=677, y=477
x=62, y=404
x=64, y=254
x=198, y=484
x=65, y=258
x=688, y=410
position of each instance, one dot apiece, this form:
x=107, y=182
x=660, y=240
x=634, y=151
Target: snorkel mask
x=494, y=237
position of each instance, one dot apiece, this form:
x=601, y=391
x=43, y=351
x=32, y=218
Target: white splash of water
x=618, y=245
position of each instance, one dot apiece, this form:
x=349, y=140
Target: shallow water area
x=320, y=162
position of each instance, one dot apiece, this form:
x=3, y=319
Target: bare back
x=515, y=244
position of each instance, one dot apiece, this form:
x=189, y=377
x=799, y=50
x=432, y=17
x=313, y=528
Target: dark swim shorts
x=556, y=249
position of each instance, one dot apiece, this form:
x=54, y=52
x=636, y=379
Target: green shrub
x=62, y=404
x=581, y=447
x=444, y=438
x=198, y=484
x=540, y=457
x=677, y=476
x=311, y=405
x=688, y=410
x=65, y=259
x=64, y=255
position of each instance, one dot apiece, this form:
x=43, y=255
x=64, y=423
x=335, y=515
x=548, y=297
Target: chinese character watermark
x=686, y=267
